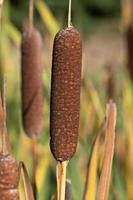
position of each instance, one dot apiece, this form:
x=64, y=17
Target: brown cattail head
x=32, y=97
x=65, y=93
x=130, y=49
x=9, y=172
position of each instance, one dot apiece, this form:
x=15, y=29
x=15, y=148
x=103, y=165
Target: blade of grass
x=1, y=5
x=96, y=101
x=127, y=116
x=90, y=186
x=103, y=189
x=77, y=181
x=47, y=17
x=68, y=192
x=13, y=33
x=27, y=185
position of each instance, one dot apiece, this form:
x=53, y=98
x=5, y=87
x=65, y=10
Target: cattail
x=65, y=99
x=9, y=170
x=9, y=177
x=32, y=96
x=65, y=93
x=32, y=101
x=129, y=36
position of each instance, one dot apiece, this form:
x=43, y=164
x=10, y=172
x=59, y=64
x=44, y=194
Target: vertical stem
x=1, y=6
x=31, y=10
x=69, y=13
x=5, y=145
x=61, y=179
x=34, y=165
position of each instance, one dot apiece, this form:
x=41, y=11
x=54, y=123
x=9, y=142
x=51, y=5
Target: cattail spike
x=65, y=93
x=32, y=91
x=69, y=13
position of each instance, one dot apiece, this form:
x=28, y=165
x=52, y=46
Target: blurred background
x=107, y=73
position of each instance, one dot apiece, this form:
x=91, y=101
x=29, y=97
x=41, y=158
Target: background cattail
x=9, y=177
x=32, y=97
x=9, y=170
x=65, y=93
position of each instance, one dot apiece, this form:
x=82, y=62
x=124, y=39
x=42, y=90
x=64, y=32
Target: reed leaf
x=96, y=101
x=47, y=17
x=103, y=189
x=91, y=179
x=27, y=185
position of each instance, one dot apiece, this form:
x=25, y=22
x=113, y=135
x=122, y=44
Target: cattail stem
x=61, y=179
x=31, y=10
x=34, y=165
x=5, y=145
x=69, y=13
x=1, y=6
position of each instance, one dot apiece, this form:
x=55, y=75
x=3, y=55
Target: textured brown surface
x=9, y=178
x=130, y=49
x=32, y=97
x=65, y=93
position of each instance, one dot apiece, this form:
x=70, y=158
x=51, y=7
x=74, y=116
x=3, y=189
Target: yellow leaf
x=96, y=101
x=43, y=164
x=47, y=17
x=90, y=188
x=13, y=33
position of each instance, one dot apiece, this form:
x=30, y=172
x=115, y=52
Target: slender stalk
x=69, y=13
x=5, y=144
x=34, y=165
x=31, y=11
x=1, y=6
x=61, y=179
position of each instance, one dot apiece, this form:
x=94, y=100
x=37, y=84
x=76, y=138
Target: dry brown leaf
x=103, y=189
x=90, y=186
x=27, y=185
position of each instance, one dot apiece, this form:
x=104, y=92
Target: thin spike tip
x=69, y=13
x=31, y=11
x=1, y=6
